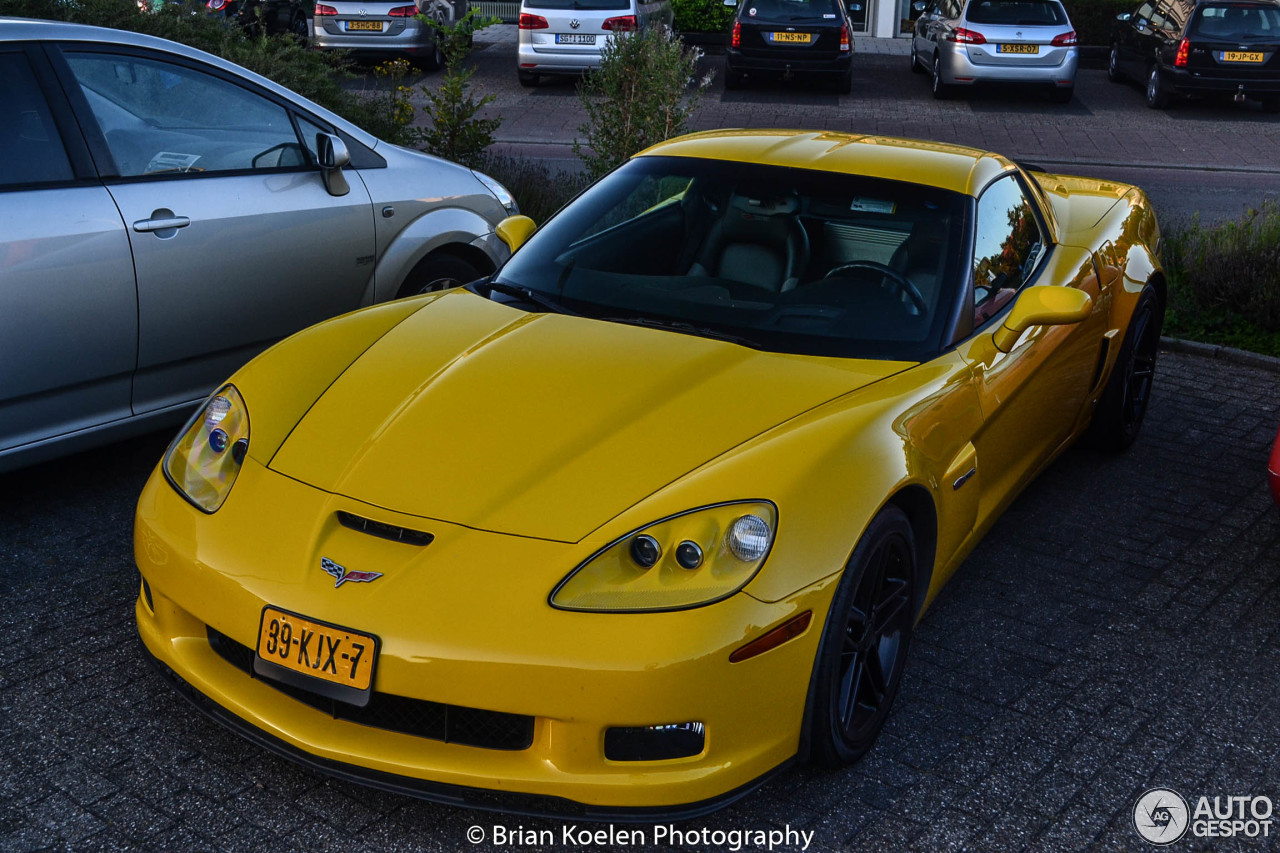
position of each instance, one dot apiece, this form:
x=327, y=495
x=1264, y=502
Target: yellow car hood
x=542, y=425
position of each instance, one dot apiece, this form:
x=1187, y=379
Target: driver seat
x=920, y=257
x=758, y=241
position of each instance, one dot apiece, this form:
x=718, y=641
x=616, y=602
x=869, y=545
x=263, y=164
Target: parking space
x=1117, y=630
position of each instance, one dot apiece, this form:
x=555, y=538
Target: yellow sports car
x=651, y=512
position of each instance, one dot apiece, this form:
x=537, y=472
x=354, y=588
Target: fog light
x=645, y=550
x=654, y=743
x=688, y=555
x=146, y=596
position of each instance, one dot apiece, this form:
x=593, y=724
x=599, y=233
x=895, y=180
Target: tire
x=301, y=29
x=941, y=91
x=733, y=79
x=438, y=272
x=1157, y=90
x=1062, y=94
x=916, y=67
x=527, y=78
x=1118, y=417
x=864, y=643
x=434, y=60
x=1113, y=65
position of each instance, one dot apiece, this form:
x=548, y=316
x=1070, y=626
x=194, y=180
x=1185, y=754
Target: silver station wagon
x=567, y=36
x=166, y=215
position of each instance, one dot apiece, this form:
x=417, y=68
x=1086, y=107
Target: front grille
x=417, y=717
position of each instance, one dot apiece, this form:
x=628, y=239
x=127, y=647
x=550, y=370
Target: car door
x=1032, y=396
x=68, y=306
x=1130, y=40
x=236, y=241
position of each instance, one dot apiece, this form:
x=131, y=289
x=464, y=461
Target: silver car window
x=31, y=150
x=159, y=117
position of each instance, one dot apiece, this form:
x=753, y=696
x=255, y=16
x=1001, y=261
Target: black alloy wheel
x=438, y=272
x=864, y=644
x=1118, y=417
x=301, y=28
x=1157, y=91
x=1113, y=65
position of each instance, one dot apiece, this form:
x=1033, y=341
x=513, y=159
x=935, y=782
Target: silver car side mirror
x=333, y=155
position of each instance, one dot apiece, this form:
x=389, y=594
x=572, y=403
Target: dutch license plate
x=1241, y=56
x=574, y=38
x=364, y=26
x=791, y=38
x=1031, y=49
x=331, y=660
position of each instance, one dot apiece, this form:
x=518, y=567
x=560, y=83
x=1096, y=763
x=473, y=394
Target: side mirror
x=1124, y=16
x=731, y=2
x=333, y=155
x=1042, y=305
x=515, y=230
x=918, y=6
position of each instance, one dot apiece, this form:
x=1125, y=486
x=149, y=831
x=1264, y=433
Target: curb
x=1230, y=354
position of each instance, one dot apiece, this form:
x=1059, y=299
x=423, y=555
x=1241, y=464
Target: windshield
x=1017, y=13
x=1238, y=22
x=791, y=11
x=782, y=259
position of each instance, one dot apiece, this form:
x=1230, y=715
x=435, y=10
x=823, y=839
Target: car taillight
x=322, y=9
x=735, y=37
x=621, y=24
x=216, y=5
x=844, y=38
x=1184, y=51
x=403, y=11
x=1065, y=40
x=532, y=22
x=963, y=36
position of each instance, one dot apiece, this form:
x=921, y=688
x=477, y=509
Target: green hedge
x=701, y=16
x=1095, y=20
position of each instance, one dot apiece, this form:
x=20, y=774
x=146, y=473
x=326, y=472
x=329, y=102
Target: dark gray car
x=165, y=215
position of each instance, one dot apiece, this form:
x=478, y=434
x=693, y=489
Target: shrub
x=455, y=132
x=1224, y=280
x=701, y=16
x=1095, y=20
x=539, y=188
x=640, y=95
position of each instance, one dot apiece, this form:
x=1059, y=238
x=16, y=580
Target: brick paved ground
x=1117, y=630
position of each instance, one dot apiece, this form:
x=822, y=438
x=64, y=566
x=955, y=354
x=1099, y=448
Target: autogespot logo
x=1160, y=816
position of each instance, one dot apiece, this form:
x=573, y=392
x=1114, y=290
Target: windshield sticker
x=873, y=205
x=828, y=15
x=170, y=161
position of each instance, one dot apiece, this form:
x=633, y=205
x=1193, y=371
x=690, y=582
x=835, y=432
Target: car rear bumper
x=573, y=675
x=1197, y=83
x=413, y=38
x=959, y=70
x=738, y=62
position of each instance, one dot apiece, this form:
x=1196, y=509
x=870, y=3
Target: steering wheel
x=903, y=283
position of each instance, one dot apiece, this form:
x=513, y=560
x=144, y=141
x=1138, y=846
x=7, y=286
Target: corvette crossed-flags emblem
x=341, y=574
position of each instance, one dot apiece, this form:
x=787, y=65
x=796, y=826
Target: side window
x=1143, y=14
x=31, y=151
x=159, y=117
x=309, y=130
x=1007, y=246
x=649, y=195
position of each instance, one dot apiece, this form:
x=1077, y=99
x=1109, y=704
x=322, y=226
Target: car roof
x=31, y=29
x=952, y=167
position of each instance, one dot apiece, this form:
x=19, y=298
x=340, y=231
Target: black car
x=1210, y=47
x=790, y=38
x=276, y=16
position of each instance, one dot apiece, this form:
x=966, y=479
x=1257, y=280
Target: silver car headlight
x=203, y=462
x=499, y=191
x=687, y=560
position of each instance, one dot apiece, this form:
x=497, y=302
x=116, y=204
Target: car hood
x=542, y=425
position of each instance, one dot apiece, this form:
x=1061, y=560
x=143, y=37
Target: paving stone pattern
x=1117, y=630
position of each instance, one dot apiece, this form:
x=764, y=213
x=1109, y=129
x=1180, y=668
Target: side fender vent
x=384, y=531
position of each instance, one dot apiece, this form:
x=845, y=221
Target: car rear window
x=1237, y=22
x=1022, y=13
x=791, y=11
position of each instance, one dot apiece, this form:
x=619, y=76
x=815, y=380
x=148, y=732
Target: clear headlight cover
x=648, y=569
x=202, y=464
x=499, y=191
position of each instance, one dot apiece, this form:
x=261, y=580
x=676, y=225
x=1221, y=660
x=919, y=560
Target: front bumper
x=465, y=621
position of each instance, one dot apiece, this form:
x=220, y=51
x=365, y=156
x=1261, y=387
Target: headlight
x=694, y=558
x=503, y=195
x=203, y=462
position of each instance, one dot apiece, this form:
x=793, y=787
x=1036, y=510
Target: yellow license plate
x=364, y=26
x=1018, y=48
x=793, y=38
x=325, y=654
x=1241, y=56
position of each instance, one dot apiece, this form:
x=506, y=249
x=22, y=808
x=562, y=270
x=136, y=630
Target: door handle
x=161, y=223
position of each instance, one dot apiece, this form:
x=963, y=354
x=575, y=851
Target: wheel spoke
x=850, y=683
x=890, y=608
x=875, y=676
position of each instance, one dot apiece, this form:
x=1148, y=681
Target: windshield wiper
x=530, y=295
x=684, y=328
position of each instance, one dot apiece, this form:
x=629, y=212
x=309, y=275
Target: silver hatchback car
x=166, y=215
x=963, y=42
x=566, y=36
x=385, y=28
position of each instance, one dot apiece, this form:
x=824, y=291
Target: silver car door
x=68, y=308
x=236, y=241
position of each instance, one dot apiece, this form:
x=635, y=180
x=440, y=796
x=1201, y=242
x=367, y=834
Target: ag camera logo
x=1160, y=816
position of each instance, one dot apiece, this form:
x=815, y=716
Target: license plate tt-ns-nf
x=575, y=38
x=317, y=656
x=791, y=38
x=1018, y=48
x=1242, y=56
x=364, y=26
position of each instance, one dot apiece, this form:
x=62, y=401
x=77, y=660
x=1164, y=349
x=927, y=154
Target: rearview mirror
x=1042, y=305
x=332, y=153
x=515, y=230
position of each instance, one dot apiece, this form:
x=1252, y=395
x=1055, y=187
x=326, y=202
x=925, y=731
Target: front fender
x=434, y=230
